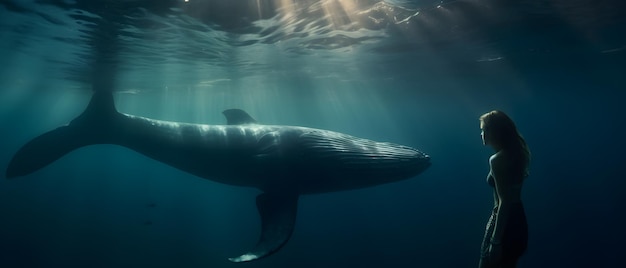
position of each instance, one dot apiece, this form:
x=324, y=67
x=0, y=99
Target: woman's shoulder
x=497, y=158
x=501, y=160
x=505, y=162
x=504, y=157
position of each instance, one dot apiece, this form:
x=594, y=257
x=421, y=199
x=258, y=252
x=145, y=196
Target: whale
x=283, y=162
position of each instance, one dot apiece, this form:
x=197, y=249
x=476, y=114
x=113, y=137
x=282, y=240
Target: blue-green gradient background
x=556, y=67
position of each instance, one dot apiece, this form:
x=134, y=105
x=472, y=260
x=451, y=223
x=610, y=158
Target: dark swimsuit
x=515, y=236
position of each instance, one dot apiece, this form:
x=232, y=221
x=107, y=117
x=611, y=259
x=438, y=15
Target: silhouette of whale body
x=282, y=161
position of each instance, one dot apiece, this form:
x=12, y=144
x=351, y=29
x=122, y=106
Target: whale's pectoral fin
x=278, y=217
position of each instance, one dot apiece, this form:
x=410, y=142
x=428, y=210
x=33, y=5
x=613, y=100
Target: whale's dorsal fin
x=238, y=117
x=278, y=217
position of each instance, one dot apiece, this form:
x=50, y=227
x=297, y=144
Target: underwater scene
x=305, y=133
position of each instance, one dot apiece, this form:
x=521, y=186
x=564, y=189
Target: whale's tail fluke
x=43, y=150
x=85, y=130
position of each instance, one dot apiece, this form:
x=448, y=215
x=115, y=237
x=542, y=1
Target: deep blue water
x=418, y=73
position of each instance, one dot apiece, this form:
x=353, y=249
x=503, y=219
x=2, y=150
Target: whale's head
x=346, y=162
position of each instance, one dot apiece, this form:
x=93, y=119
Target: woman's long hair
x=504, y=133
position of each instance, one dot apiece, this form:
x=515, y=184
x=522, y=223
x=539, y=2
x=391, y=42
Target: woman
x=506, y=234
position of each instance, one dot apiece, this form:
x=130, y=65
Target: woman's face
x=483, y=134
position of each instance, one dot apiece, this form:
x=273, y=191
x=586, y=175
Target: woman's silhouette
x=506, y=234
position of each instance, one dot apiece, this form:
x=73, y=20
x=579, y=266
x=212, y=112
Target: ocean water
x=417, y=73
